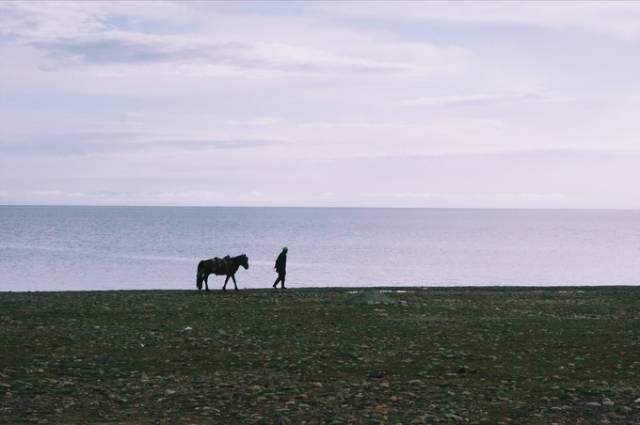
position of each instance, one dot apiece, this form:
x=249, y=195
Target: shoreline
x=342, y=288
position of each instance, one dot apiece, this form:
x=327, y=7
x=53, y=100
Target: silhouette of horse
x=227, y=266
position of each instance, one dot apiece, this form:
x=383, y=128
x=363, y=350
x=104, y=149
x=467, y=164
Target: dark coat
x=281, y=263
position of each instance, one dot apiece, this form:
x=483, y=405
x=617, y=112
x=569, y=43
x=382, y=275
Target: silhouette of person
x=281, y=267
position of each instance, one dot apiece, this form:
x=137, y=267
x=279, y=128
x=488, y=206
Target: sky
x=419, y=104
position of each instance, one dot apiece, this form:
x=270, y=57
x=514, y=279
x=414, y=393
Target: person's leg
x=275, y=284
x=282, y=277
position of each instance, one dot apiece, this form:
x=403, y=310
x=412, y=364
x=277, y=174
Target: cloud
x=86, y=34
x=105, y=51
x=259, y=56
x=525, y=196
x=57, y=193
x=480, y=99
x=521, y=154
x=613, y=18
x=414, y=195
x=98, y=44
x=185, y=197
x=400, y=195
x=125, y=49
x=258, y=122
x=121, y=48
x=97, y=143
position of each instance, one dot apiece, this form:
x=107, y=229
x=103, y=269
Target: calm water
x=80, y=248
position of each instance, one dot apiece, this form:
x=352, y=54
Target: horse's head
x=244, y=261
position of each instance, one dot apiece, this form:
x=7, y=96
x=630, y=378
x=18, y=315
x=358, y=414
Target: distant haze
x=507, y=104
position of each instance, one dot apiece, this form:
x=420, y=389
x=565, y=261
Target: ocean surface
x=99, y=248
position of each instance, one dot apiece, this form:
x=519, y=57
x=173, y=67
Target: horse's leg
x=233, y=276
x=224, y=288
x=206, y=281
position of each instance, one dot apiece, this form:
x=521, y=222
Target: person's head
x=285, y=249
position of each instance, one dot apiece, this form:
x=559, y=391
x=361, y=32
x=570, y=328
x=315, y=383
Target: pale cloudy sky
x=321, y=104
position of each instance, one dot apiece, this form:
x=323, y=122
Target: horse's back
x=207, y=265
x=217, y=265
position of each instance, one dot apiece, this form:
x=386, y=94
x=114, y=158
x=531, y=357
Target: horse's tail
x=199, y=275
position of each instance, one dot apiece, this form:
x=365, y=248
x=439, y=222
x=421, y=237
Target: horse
x=227, y=266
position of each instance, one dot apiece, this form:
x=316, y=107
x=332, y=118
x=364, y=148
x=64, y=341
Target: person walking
x=281, y=267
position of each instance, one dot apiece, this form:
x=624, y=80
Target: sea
x=61, y=248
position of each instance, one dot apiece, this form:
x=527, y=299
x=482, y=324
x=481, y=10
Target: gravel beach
x=494, y=355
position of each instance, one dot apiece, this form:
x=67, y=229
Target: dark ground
x=460, y=355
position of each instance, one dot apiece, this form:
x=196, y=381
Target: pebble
x=454, y=417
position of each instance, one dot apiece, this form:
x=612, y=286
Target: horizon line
x=326, y=207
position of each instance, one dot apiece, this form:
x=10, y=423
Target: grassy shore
x=458, y=355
